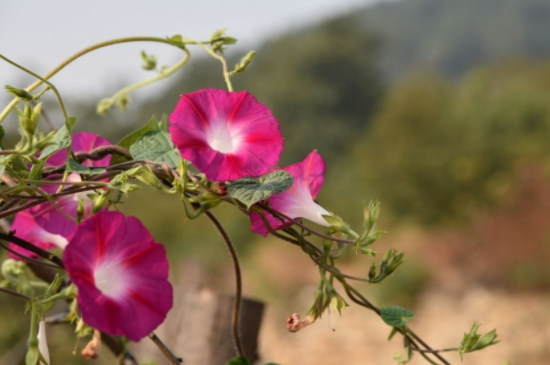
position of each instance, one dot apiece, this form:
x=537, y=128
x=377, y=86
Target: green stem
x=161, y=76
x=44, y=80
x=80, y=54
x=224, y=65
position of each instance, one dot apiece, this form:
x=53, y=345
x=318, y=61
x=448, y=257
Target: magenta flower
x=226, y=135
x=45, y=226
x=297, y=202
x=121, y=274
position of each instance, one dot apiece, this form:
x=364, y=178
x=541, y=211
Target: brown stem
x=15, y=294
x=95, y=154
x=451, y=349
x=238, y=282
x=30, y=247
x=28, y=259
x=165, y=350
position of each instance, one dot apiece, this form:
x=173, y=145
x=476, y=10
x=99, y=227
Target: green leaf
x=250, y=190
x=392, y=333
x=74, y=166
x=36, y=171
x=229, y=40
x=61, y=139
x=131, y=138
x=176, y=38
x=486, y=340
x=241, y=360
x=156, y=146
x=70, y=123
x=396, y=316
x=163, y=123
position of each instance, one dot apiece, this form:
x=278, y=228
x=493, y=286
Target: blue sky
x=40, y=34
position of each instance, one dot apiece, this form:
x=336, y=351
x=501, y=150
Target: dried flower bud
x=93, y=348
x=294, y=324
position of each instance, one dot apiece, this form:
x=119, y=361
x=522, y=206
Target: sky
x=40, y=34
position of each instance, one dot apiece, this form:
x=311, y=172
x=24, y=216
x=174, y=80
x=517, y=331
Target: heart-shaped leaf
x=396, y=316
x=250, y=190
x=156, y=146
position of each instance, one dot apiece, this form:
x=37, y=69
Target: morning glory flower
x=45, y=226
x=121, y=274
x=226, y=135
x=298, y=201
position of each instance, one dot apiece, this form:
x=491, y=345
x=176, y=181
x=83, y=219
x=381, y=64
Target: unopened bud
x=372, y=271
x=122, y=101
x=43, y=343
x=100, y=201
x=150, y=179
x=245, y=62
x=80, y=210
x=103, y=106
x=367, y=251
x=27, y=121
x=149, y=61
x=20, y=93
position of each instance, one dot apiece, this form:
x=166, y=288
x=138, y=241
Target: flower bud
x=99, y=201
x=149, y=61
x=245, y=62
x=20, y=93
x=372, y=271
x=103, y=106
x=43, y=343
x=122, y=101
x=147, y=177
x=80, y=210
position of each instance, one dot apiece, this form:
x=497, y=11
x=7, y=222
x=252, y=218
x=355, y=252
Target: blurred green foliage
x=439, y=152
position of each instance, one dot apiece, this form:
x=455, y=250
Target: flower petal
x=25, y=227
x=297, y=202
x=121, y=274
x=44, y=225
x=43, y=343
x=226, y=135
x=82, y=142
x=55, y=222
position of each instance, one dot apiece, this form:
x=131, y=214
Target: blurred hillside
x=450, y=37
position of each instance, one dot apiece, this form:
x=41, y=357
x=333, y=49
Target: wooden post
x=198, y=329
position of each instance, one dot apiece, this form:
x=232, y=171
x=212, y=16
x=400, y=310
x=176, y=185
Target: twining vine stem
x=238, y=284
x=174, y=360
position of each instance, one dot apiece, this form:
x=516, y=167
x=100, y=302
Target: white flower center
x=112, y=279
x=220, y=138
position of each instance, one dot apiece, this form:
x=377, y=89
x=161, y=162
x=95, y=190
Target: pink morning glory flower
x=226, y=135
x=45, y=226
x=121, y=274
x=297, y=202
